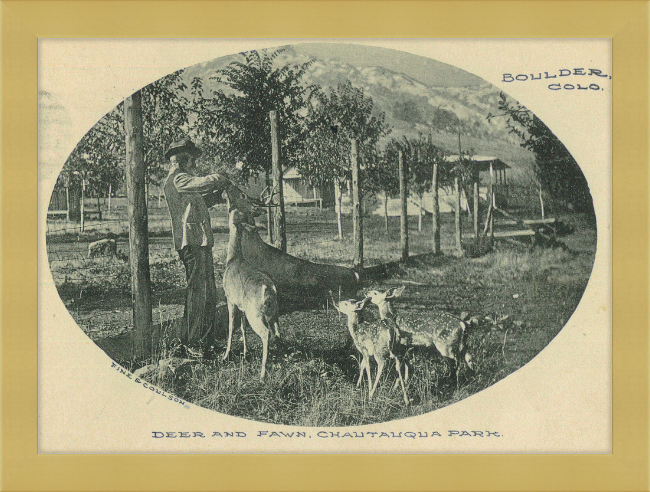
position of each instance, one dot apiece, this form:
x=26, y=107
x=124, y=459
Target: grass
x=521, y=297
x=312, y=371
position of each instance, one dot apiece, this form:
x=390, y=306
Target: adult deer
x=250, y=293
x=377, y=339
x=294, y=277
x=438, y=328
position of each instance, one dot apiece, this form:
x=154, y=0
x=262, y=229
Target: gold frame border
x=23, y=22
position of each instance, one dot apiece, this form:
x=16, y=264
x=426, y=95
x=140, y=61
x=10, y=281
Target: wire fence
x=95, y=285
x=95, y=282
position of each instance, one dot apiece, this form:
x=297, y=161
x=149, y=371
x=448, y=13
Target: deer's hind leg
x=233, y=311
x=259, y=327
x=362, y=366
x=398, y=368
x=381, y=362
x=242, y=327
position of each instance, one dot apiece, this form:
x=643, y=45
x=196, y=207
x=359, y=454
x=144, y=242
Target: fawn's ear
x=396, y=292
x=336, y=306
x=359, y=305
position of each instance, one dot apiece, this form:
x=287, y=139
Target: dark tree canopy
x=335, y=117
x=556, y=169
x=239, y=128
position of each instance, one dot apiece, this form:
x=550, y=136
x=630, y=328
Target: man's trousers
x=199, y=316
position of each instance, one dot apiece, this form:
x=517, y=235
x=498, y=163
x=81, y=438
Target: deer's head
x=383, y=298
x=379, y=297
x=236, y=217
x=247, y=207
x=349, y=307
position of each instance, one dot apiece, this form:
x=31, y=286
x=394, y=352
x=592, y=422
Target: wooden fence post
x=436, y=210
x=403, y=197
x=357, y=219
x=67, y=203
x=269, y=214
x=82, y=205
x=279, y=223
x=338, y=205
x=138, y=225
x=476, y=179
x=457, y=215
x=492, y=199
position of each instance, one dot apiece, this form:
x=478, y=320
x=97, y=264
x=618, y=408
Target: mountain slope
x=412, y=106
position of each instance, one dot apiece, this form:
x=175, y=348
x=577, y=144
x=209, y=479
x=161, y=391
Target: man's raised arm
x=186, y=183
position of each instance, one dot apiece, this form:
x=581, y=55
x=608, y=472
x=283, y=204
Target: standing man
x=188, y=198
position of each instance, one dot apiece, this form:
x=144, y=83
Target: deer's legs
x=380, y=367
x=242, y=327
x=406, y=375
x=232, y=313
x=362, y=366
x=455, y=364
x=398, y=368
x=262, y=330
x=366, y=359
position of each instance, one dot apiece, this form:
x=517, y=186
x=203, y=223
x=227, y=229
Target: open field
x=312, y=368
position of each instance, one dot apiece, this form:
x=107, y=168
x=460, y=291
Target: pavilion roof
x=482, y=162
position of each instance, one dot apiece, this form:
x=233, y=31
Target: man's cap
x=181, y=146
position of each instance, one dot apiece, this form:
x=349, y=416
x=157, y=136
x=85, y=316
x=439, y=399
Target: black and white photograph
x=358, y=246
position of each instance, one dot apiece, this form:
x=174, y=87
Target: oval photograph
x=320, y=234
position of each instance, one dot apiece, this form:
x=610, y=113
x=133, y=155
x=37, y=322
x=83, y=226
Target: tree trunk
x=110, y=192
x=457, y=215
x=138, y=239
x=436, y=210
x=269, y=215
x=386, y=211
x=279, y=223
x=67, y=203
x=541, y=201
x=357, y=219
x=476, y=204
x=339, y=201
x=420, y=214
x=492, y=200
x=99, y=207
x=82, y=204
x=403, y=196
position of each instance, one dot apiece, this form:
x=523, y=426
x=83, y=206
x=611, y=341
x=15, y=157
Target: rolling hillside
x=432, y=98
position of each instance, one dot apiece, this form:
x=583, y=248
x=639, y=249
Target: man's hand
x=220, y=181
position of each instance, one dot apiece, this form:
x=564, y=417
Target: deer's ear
x=359, y=305
x=334, y=302
x=397, y=291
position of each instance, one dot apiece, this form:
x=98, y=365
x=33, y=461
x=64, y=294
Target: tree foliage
x=235, y=125
x=335, y=117
x=165, y=114
x=100, y=156
x=555, y=168
x=419, y=154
